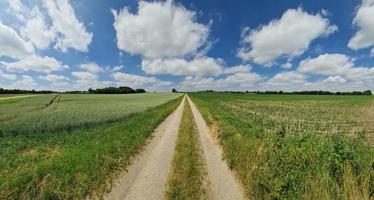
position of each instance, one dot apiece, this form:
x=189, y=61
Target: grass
x=69, y=112
x=295, y=147
x=77, y=163
x=186, y=180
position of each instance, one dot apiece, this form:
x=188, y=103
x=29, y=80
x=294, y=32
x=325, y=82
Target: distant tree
x=115, y=90
x=140, y=91
x=174, y=90
x=367, y=92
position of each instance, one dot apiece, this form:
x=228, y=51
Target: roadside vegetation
x=72, y=157
x=295, y=147
x=188, y=172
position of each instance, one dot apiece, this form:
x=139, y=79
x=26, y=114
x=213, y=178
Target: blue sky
x=189, y=45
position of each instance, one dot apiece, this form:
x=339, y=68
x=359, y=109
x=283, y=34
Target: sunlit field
x=52, y=147
x=293, y=146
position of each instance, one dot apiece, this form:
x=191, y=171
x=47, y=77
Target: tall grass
x=274, y=162
x=188, y=173
x=72, y=165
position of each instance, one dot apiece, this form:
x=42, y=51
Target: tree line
x=18, y=91
x=115, y=90
x=107, y=90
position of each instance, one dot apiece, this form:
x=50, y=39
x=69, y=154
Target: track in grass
x=188, y=176
x=222, y=181
x=146, y=177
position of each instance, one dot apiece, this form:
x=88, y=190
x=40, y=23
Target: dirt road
x=146, y=177
x=222, y=181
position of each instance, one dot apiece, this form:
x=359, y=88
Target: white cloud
x=54, y=78
x=159, y=29
x=364, y=20
x=85, y=80
x=236, y=78
x=8, y=76
x=72, y=32
x=38, y=31
x=36, y=63
x=335, y=65
x=288, y=36
x=16, y=8
x=237, y=69
x=26, y=83
x=84, y=75
x=291, y=79
x=335, y=79
x=11, y=44
x=138, y=81
x=91, y=67
x=117, y=68
x=200, y=66
x=286, y=65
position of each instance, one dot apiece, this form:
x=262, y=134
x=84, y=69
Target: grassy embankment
x=73, y=163
x=188, y=173
x=295, y=147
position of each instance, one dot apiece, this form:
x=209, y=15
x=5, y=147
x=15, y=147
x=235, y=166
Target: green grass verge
x=72, y=165
x=186, y=179
x=275, y=164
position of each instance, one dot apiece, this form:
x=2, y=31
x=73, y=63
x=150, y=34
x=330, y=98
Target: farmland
x=294, y=146
x=69, y=146
x=55, y=113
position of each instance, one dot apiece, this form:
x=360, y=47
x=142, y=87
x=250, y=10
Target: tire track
x=222, y=182
x=146, y=177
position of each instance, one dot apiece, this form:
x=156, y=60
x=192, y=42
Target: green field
x=294, y=146
x=69, y=146
x=55, y=112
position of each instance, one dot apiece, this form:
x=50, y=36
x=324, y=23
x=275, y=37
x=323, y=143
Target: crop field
x=68, y=146
x=294, y=146
x=54, y=112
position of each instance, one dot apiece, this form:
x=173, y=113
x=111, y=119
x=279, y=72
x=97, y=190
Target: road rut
x=146, y=177
x=222, y=182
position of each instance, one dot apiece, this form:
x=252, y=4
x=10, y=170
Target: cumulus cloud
x=91, y=67
x=234, y=78
x=159, y=29
x=54, y=78
x=291, y=79
x=288, y=36
x=138, y=81
x=11, y=44
x=286, y=65
x=200, y=66
x=43, y=64
x=364, y=20
x=237, y=69
x=37, y=30
x=84, y=75
x=7, y=76
x=72, y=32
x=335, y=65
x=25, y=82
x=117, y=68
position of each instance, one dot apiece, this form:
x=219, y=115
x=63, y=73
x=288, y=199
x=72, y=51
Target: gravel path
x=146, y=177
x=222, y=181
